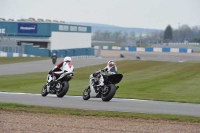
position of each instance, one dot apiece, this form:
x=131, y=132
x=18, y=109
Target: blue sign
x=27, y=28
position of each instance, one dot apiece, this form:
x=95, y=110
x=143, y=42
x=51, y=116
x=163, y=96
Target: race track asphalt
x=116, y=104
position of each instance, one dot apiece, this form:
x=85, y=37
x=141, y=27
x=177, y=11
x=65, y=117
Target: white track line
x=19, y=93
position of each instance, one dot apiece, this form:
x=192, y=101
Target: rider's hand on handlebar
x=102, y=70
x=98, y=71
x=50, y=72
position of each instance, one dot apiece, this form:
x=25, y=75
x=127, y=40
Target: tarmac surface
x=116, y=104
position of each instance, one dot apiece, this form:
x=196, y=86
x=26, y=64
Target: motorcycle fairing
x=114, y=78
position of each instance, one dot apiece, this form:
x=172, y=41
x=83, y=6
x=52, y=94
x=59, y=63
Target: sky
x=151, y=14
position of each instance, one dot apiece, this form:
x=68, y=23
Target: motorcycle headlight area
x=50, y=78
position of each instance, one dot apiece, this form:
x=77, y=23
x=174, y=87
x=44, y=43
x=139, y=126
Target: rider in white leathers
x=64, y=66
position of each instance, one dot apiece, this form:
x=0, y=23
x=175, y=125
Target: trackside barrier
x=148, y=49
x=85, y=57
x=9, y=54
x=186, y=43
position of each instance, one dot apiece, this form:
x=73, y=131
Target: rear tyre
x=109, y=94
x=54, y=62
x=63, y=90
x=86, y=93
x=44, y=91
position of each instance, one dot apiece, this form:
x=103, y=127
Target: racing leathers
x=64, y=66
x=110, y=69
x=54, y=57
x=97, y=76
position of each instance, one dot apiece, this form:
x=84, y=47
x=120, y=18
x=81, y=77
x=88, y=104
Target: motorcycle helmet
x=67, y=58
x=111, y=63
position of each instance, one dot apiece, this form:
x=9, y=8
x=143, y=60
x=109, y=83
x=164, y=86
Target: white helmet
x=54, y=53
x=111, y=63
x=67, y=58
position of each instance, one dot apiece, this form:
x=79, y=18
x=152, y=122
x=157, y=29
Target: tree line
x=112, y=36
x=181, y=34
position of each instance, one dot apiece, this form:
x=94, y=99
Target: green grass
x=106, y=44
x=143, y=45
x=66, y=111
x=150, y=80
x=10, y=60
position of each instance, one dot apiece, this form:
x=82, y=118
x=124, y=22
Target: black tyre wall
x=64, y=89
x=111, y=93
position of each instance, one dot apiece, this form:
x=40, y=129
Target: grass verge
x=77, y=112
x=10, y=60
x=149, y=80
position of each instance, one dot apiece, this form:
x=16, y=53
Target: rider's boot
x=117, y=87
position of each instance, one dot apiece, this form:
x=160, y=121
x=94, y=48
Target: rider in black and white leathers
x=97, y=76
x=111, y=67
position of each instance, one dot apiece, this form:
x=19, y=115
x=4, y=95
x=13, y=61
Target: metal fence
x=8, y=44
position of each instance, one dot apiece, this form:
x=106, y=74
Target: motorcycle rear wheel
x=54, y=62
x=109, y=94
x=64, y=89
x=86, y=93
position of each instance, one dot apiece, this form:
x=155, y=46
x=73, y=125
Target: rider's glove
x=98, y=71
x=50, y=72
x=106, y=69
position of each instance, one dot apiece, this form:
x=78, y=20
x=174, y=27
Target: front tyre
x=109, y=93
x=44, y=91
x=86, y=93
x=63, y=90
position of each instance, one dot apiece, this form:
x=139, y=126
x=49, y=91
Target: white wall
x=174, y=50
x=189, y=50
x=105, y=47
x=115, y=47
x=140, y=49
x=157, y=49
x=68, y=40
x=3, y=54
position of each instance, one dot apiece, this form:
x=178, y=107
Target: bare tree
x=185, y=33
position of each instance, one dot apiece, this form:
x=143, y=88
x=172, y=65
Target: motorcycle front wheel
x=109, y=93
x=86, y=93
x=44, y=91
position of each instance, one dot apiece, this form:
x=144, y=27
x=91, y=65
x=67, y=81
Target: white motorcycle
x=60, y=87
